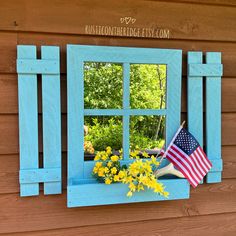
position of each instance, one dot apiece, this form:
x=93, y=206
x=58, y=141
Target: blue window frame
x=80, y=182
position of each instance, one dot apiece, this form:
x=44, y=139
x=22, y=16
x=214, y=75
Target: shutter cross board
x=212, y=70
x=28, y=66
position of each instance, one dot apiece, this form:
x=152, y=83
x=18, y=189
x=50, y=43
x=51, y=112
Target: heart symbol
x=133, y=20
x=122, y=20
x=127, y=20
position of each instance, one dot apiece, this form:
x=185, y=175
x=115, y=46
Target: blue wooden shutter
x=28, y=66
x=212, y=70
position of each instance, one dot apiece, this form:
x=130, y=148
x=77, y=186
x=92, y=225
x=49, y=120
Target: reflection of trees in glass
x=103, y=89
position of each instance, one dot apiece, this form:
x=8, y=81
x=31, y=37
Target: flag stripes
x=193, y=167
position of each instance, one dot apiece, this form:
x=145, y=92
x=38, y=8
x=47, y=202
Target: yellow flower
x=108, y=150
x=106, y=170
x=101, y=172
x=104, y=157
x=121, y=174
x=107, y=181
x=114, y=158
x=116, y=178
x=113, y=170
x=95, y=170
x=145, y=155
x=98, y=164
x=129, y=194
x=97, y=157
x=132, y=187
x=166, y=194
x=154, y=161
x=109, y=164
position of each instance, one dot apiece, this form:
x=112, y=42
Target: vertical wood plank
x=51, y=120
x=28, y=120
x=213, y=116
x=195, y=100
x=173, y=104
x=126, y=107
x=75, y=94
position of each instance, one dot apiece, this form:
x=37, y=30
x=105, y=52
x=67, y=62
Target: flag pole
x=166, y=151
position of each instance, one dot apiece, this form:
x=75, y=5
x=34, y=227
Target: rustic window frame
x=80, y=182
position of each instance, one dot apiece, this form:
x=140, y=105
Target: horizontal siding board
x=8, y=43
x=9, y=132
x=18, y=15
x=10, y=165
x=211, y=225
x=8, y=47
x=8, y=94
x=50, y=212
x=228, y=49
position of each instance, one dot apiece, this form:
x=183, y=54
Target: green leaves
x=104, y=90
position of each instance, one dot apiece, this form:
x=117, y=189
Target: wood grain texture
x=10, y=166
x=8, y=47
x=23, y=214
x=228, y=49
x=204, y=2
x=9, y=102
x=52, y=16
x=211, y=225
x=9, y=132
x=8, y=42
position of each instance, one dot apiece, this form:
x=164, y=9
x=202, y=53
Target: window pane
x=101, y=132
x=147, y=86
x=147, y=132
x=102, y=85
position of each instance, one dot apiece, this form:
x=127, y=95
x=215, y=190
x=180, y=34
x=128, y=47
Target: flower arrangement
x=138, y=175
x=88, y=147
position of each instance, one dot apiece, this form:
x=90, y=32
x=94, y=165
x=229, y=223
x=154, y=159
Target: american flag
x=188, y=157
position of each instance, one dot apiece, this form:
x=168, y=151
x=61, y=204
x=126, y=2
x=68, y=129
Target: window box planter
x=91, y=193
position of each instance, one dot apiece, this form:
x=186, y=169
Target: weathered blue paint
x=38, y=66
x=126, y=108
x=213, y=71
x=27, y=68
x=205, y=69
x=213, y=116
x=28, y=120
x=51, y=109
x=75, y=120
x=42, y=175
x=195, y=98
x=76, y=56
x=122, y=112
x=92, y=193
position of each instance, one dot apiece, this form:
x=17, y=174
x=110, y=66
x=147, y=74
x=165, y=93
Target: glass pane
x=101, y=132
x=102, y=85
x=147, y=132
x=147, y=86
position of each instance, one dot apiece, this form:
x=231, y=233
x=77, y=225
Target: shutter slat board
x=51, y=119
x=28, y=120
x=213, y=116
x=30, y=174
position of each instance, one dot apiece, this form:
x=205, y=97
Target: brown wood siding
x=194, y=25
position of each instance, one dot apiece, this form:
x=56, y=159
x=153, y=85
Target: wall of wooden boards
x=194, y=25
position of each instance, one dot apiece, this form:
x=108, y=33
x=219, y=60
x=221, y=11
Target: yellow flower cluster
x=107, y=167
x=138, y=175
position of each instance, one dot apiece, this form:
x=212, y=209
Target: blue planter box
x=93, y=193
